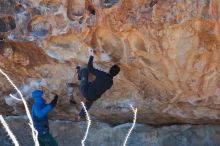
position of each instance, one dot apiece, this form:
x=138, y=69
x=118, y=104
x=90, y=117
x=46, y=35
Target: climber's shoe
x=78, y=72
x=79, y=119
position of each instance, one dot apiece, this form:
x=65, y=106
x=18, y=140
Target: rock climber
x=93, y=90
x=40, y=110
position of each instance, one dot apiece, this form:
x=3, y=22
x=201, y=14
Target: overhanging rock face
x=169, y=56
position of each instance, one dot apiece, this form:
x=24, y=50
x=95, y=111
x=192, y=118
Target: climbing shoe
x=78, y=72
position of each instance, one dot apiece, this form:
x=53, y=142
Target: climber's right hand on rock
x=91, y=52
x=54, y=101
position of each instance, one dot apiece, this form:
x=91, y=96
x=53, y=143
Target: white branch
x=34, y=132
x=88, y=126
x=11, y=135
x=12, y=96
x=132, y=127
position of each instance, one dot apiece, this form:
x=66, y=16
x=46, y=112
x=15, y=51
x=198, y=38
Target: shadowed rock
x=153, y=2
x=109, y=3
x=169, y=55
x=19, y=8
x=75, y=9
x=69, y=133
x=7, y=7
x=39, y=26
x=7, y=23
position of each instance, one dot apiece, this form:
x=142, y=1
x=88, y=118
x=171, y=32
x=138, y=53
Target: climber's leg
x=88, y=104
x=84, y=82
x=47, y=140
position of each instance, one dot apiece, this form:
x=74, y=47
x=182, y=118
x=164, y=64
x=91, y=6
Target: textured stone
x=75, y=9
x=168, y=54
x=69, y=133
x=51, y=4
x=7, y=7
x=7, y=23
x=39, y=26
x=19, y=8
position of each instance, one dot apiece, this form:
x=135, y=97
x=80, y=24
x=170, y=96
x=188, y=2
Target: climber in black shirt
x=93, y=90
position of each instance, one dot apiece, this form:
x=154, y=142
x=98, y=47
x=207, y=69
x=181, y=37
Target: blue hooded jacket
x=40, y=111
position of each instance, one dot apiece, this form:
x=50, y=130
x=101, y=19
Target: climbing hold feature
x=7, y=23
x=39, y=26
x=153, y=2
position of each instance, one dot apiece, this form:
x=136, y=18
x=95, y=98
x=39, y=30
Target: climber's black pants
x=84, y=83
x=87, y=105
